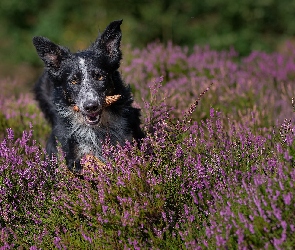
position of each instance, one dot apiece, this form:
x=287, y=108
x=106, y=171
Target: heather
x=18, y=110
x=215, y=170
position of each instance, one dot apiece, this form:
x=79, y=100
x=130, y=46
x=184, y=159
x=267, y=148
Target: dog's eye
x=74, y=80
x=98, y=76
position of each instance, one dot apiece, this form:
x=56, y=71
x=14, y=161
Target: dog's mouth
x=89, y=118
x=92, y=119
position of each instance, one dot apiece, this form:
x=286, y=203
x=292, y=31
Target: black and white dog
x=84, y=98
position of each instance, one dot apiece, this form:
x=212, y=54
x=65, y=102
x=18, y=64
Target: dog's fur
x=83, y=80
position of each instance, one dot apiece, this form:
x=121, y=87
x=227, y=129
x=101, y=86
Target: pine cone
x=111, y=99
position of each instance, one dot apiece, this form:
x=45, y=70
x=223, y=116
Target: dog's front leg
x=74, y=165
x=73, y=159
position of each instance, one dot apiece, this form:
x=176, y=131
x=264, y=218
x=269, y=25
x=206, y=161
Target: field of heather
x=218, y=173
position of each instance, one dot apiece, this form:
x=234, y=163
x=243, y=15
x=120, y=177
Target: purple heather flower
x=104, y=209
x=287, y=198
x=87, y=238
x=10, y=134
x=178, y=152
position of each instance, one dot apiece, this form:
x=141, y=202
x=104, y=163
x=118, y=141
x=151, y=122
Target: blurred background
x=245, y=25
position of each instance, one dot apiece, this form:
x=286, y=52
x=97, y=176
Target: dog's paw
x=91, y=162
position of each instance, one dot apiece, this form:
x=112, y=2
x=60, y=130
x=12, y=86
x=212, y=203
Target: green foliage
x=246, y=25
x=19, y=114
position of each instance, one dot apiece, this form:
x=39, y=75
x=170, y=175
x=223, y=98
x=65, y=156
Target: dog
x=84, y=98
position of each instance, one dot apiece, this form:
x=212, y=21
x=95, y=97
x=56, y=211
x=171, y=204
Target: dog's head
x=85, y=78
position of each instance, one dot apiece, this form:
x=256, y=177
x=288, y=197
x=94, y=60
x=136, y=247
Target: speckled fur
x=84, y=79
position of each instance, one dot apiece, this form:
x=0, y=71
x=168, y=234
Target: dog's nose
x=91, y=106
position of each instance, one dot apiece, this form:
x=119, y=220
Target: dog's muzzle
x=92, y=111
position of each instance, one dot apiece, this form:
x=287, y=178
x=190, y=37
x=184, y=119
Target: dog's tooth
x=111, y=99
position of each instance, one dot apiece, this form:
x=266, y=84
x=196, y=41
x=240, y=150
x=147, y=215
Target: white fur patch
x=90, y=138
x=84, y=70
x=86, y=92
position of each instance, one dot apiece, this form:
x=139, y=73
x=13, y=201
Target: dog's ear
x=51, y=54
x=109, y=43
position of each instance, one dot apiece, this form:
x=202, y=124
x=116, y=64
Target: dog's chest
x=91, y=138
